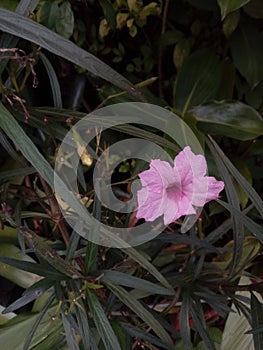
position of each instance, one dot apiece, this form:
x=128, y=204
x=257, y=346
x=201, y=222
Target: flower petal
x=185, y=207
x=150, y=204
x=190, y=165
x=214, y=188
x=171, y=205
x=158, y=176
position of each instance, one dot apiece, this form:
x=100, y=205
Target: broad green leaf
x=198, y=80
x=141, y=311
x=5, y=317
x=109, y=13
x=59, y=18
x=22, y=278
x=48, y=14
x=65, y=23
x=14, y=333
x=181, y=52
x=257, y=321
x=235, y=335
x=254, y=9
x=231, y=119
x=246, y=45
x=228, y=6
x=18, y=25
x=124, y=279
x=230, y=23
x=102, y=323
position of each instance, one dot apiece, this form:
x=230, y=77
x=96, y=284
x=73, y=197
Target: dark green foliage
x=60, y=60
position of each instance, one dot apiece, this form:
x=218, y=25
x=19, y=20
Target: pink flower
x=174, y=191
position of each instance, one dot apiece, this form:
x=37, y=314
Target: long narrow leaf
x=254, y=228
x=124, y=279
x=12, y=174
x=70, y=333
x=141, y=311
x=224, y=227
x=25, y=28
x=29, y=295
x=83, y=323
x=257, y=321
x=238, y=228
x=28, y=266
x=199, y=322
x=252, y=194
x=54, y=83
x=140, y=334
x=102, y=323
x=184, y=320
x=137, y=256
x=36, y=323
x=7, y=146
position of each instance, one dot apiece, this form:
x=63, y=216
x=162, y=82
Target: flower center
x=173, y=186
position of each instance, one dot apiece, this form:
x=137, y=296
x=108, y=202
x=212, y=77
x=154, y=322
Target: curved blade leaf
x=229, y=118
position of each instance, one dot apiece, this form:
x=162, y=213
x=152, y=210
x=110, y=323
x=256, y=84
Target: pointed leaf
x=141, y=311
x=254, y=228
x=184, y=320
x=257, y=321
x=29, y=295
x=228, y=6
x=46, y=271
x=102, y=323
x=198, y=80
x=140, y=334
x=83, y=324
x=247, y=51
x=124, y=279
x=254, y=197
x=70, y=333
x=229, y=118
x=54, y=83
